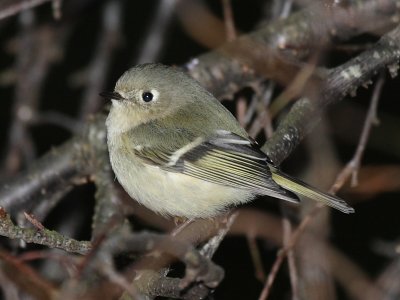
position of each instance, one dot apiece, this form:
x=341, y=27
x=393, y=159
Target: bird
x=178, y=151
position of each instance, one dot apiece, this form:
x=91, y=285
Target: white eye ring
x=148, y=96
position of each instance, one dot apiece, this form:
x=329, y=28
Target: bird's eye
x=147, y=96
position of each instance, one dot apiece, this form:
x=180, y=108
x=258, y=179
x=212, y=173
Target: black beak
x=111, y=95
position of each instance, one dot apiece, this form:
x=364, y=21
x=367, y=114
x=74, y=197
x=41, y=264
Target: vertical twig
x=353, y=165
x=284, y=251
x=99, y=66
x=37, y=49
x=229, y=21
x=241, y=110
x=56, y=5
x=263, y=120
x=20, y=145
x=154, y=39
x=293, y=274
x=256, y=257
x=278, y=9
x=341, y=178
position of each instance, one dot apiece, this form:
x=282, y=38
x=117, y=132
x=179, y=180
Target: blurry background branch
x=11, y=7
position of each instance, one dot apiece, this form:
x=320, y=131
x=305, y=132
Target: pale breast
x=172, y=194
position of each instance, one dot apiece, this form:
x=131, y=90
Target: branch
x=340, y=81
x=25, y=278
x=12, y=7
x=201, y=273
x=97, y=71
x=267, y=51
x=42, y=236
x=353, y=166
x=56, y=171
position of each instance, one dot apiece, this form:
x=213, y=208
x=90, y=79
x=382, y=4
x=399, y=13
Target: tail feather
x=303, y=189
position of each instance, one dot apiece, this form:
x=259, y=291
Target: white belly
x=173, y=194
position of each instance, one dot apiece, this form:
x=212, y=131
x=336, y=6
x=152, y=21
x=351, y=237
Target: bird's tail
x=298, y=187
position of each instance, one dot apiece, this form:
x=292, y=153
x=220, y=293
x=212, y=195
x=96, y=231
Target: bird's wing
x=224, y=158
x=301, y=188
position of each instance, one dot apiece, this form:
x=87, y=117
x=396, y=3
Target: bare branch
x=339, y=82
x=98, y=69
x=229, y=22
x=12, y=7
x=353, y=165
x=157, y=32
x=46, y=237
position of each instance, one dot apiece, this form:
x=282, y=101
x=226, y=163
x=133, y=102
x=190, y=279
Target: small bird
x=178, y=151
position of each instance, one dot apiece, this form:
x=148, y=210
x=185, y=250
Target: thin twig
x=21, y=148
x=286, y=9
x=46, y=237
x=56, y=6
x=256, y=257
x=108, y=269
x=26, y=279
x=295, y=88
x=38, y=48
x=251, y=110
x=35, y=222
x=353, y=165
x=285, y=250
x=347, y=171
x=241, y=110
x=293, y=274
x=278, y=9
x=209, y=248
x=263, y=119
x=59, y=119
x=229, y=21
x=155, y=37
x=64, y=259
x=265, y=226
x=98, y=68
x=14, y=7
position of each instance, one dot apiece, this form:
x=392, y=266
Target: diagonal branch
x=12, y=7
